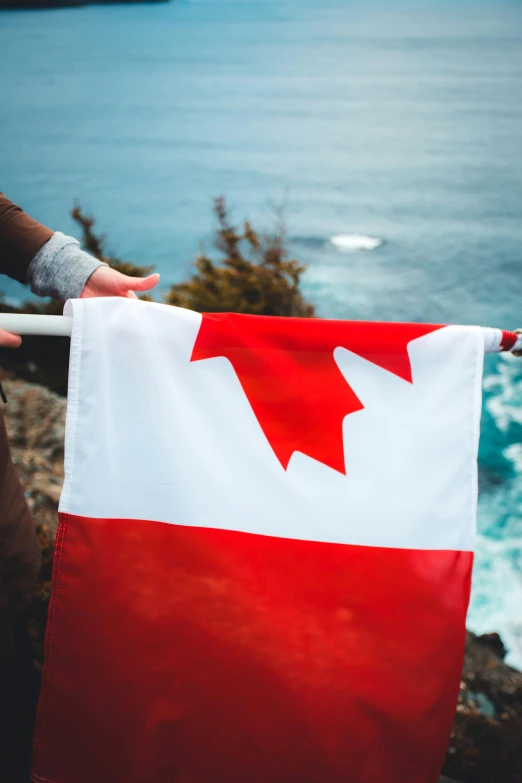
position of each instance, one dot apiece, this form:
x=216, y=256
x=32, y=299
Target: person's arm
x=54, y=264
x=50, y=261
x=63, y=270
x=20, y=239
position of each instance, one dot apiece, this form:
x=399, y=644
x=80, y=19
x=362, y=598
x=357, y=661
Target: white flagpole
x=48, y=325
x=495, y=340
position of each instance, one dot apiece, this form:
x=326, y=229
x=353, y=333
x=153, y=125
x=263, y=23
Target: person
x=53, y=264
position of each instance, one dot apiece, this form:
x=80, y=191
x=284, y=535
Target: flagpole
x=41, y=325
x=495, y=340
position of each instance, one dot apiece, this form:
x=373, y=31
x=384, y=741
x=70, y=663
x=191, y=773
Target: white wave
x=497, y=593
x=505, y=392
x=513, y=453
x=349, y=242
x=496, y=596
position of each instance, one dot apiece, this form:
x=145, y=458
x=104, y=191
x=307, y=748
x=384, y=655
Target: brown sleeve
x=20, y=557
x=20, y=239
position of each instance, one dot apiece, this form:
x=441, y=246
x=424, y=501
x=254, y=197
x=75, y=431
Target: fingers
x=105, y=281
x=141, y=283
x=9, y=340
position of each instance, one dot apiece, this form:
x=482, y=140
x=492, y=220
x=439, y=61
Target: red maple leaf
x=287, y=369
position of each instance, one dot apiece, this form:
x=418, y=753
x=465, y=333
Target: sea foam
x=497, y=593
x=350, y=242
x=496, y=596
x=503, y=393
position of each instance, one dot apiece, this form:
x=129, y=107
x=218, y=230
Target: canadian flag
x=264, y=557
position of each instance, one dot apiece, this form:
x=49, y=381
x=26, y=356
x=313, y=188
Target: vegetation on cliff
x=255, y=274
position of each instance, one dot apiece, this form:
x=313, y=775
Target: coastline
x=34, y=5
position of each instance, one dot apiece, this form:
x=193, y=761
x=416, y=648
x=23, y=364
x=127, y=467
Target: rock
x=35, y=420
x=486, y=740
x=486, y=673
x=494, y=642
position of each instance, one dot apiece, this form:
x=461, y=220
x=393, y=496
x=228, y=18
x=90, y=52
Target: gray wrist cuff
x=60, y=268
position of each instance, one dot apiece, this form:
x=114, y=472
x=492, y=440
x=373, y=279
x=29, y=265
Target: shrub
x=255, y=273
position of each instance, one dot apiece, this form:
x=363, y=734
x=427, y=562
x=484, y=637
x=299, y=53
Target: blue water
x=393, y=120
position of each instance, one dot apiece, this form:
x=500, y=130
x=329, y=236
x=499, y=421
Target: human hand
x=9, y=340
x=105, y=281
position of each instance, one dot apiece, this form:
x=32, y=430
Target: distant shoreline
x=46, y=5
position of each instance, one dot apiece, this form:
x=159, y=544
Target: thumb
x=9, y=340
x=139, y=283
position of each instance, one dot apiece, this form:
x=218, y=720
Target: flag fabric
x=264, y=556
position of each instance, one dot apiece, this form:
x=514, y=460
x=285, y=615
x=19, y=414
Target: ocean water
x=391, y=131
